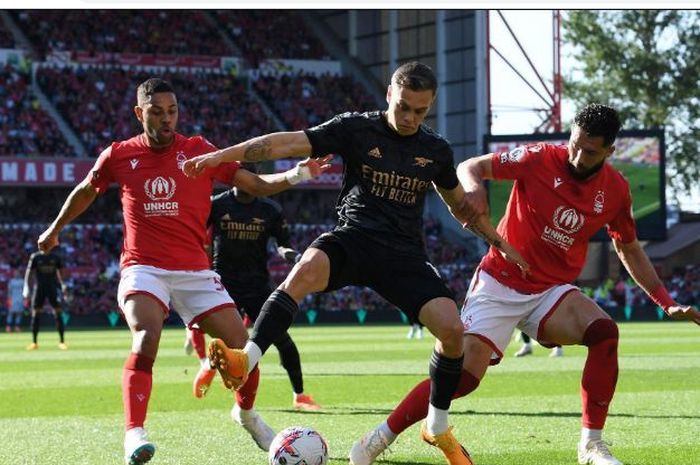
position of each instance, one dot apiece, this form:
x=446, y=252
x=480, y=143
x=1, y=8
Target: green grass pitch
x=65, y=407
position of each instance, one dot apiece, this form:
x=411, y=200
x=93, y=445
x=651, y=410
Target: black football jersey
x=45, y=266
x=240, y=234
x=386, y=175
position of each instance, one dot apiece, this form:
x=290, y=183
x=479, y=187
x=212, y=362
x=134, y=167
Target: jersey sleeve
x=517, y=163
x=623, y=228
x=447, y=177
x=32, y=264
x=101, y=175
x=329, y=137
x=59, y=263
x=225, y=172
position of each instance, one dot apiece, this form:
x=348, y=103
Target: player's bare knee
x=306, y=277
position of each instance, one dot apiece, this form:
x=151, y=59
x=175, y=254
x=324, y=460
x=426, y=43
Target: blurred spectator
x=6, y=39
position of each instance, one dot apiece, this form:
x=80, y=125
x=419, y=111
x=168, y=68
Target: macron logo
x=134, y=163
x=557, y=182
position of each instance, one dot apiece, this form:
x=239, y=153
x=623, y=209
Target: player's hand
x=684, y=312
x=317, y=166
x=513, y=256
x=195, y=166
x=48, y=240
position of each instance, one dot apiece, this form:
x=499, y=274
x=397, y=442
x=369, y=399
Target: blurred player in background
x=526, y=347
x=391, y=160
x=15, y=303
x=163, y=261
x=561, y=197
x=241, y=227
x=44, y=275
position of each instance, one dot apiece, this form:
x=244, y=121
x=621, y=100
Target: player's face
x=158, y=116
x=407, y=108
x=587, y=154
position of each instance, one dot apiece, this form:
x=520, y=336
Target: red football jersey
x=165, y=212
x=551, y=216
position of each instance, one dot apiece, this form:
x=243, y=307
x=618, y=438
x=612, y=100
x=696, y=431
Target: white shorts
x=491, y=311
x=192, y=294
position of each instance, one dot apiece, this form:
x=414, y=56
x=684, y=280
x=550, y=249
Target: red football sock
x=198, y=343
x=414, y=407
x=137, y=381
x=600, y=372
x=245, y=396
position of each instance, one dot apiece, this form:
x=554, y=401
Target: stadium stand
x=260, y=35
x=213, y=104
x=6, y=39
x=125, y=31
x=304, y=100
x=25, y=128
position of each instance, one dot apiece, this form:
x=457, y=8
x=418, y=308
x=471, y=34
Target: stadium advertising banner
x=16, y=171
x=639, y=156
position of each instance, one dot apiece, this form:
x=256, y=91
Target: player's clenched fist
x=47, y=241
x=194, y=166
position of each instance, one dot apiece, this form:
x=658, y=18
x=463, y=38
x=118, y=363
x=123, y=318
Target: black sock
x=36, y=320
x=59, y=326
x=276, y=316
x=444, y=378
x=525, y=338
x=291, y=362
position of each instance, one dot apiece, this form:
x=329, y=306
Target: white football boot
x=137, y=448
x=368, y=448
x=557, y=351
x=261, y=433
x=526, y=349
x=596, y=452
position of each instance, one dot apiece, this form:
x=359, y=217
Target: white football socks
x=591, y=435
x=436, y=420
x=254, y=354
x=388, y=433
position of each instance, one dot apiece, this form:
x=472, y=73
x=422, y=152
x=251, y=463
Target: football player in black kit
x=241, y=227
x=45, y=268
x=391, y=159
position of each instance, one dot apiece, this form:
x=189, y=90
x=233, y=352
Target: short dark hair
x=599, y=121
x=415, y=76
x=152, y=86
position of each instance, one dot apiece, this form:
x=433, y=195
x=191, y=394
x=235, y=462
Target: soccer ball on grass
x=298, y=445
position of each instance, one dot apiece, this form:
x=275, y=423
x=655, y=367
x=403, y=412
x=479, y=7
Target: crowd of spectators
x=90, y=255
x=261, y=35
x=25, y=128
x=157, y=32
x=304, y=100
x=98, y=103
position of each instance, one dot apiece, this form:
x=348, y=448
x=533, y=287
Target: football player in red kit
x=562, y=195
x=163, y=261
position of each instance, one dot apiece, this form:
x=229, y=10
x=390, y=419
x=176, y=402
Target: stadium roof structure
x=679, y=237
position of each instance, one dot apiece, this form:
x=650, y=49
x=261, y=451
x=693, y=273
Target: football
x=298, y=445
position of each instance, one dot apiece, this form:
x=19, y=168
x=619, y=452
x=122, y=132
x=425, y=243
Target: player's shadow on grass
x=379, y=411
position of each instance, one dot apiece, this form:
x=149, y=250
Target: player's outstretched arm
x=471, y=174
x=267, y=147
x=479, y=224
x=262, y=185
x=642, y=271
x=77, y=202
